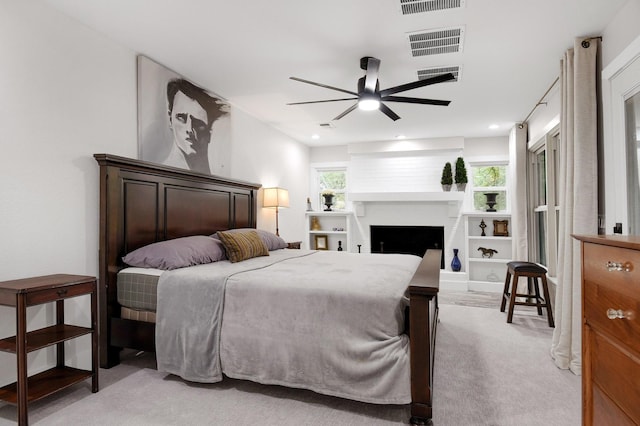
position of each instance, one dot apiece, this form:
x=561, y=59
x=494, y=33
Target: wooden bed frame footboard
x=142, y=203
x=423, y=319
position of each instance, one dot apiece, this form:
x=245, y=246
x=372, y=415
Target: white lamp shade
x=275, y=197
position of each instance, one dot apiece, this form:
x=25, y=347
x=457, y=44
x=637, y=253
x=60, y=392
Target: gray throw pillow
x=177, y=253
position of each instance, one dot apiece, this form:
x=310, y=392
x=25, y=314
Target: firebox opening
x=407, y=239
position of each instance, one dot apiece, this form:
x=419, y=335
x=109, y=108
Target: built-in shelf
x=436, y=196
x=489, y=238
x=486, y=273
x=486, y=260
x=327, y=222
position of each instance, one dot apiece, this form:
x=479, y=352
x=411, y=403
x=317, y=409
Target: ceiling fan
x=370, y=97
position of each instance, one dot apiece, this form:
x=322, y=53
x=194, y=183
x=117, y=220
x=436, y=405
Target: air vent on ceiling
x=436, y=42
x=409, y=7
x=326, y=125
x=432, y=72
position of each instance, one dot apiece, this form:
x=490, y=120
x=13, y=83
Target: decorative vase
x=328, y=201
x=460, y=187
x=491, y=200
x=446, y=188
x=455, y=262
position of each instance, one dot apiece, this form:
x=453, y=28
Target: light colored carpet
x=487, y=373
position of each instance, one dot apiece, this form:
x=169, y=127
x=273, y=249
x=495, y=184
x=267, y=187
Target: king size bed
x=357, y=326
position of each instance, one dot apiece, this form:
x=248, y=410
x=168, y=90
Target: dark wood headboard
x=142, y=203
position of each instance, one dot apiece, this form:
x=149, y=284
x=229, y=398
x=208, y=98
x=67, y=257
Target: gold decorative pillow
x=242, y=245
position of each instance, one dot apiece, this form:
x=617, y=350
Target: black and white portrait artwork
x=179, y=123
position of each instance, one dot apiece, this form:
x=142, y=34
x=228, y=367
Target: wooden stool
x=532, y=271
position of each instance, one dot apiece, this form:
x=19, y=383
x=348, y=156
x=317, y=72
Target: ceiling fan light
x=368, y=104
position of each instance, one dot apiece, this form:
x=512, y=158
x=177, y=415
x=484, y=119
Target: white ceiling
x=245, y=51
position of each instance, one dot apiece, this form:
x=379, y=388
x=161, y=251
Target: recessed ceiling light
x=315, y=136
x=494, y=126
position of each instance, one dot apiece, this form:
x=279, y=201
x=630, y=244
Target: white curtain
x=578, y=198
x=518, y=167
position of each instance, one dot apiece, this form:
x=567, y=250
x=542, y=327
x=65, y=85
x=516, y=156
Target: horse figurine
x=487, y=252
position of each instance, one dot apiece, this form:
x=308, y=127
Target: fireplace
x=407, y=239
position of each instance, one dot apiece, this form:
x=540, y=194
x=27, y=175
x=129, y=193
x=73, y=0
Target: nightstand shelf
x=45, y=383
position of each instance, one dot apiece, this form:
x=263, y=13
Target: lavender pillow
x=177, y=253
x=271, y=240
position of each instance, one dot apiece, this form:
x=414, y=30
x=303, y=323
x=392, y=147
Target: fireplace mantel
x=436, y=196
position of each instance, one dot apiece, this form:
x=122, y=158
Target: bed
x=142, y=203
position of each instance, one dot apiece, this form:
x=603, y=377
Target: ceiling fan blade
x=420, y=83
x=323, y=85
x=347, y=111
x=415, y=100
x=317, y=102
x=387, y=111
x=371, y=80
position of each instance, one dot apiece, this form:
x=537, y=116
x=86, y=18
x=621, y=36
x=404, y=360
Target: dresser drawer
x=606, y=412
x=596, y=269
x=616, y=373
x=598, y=300
x=58, y=293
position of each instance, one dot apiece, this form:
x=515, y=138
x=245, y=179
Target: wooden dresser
x=610, y=330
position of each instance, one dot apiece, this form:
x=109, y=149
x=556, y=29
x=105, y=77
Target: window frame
x=549, y=144
x=314, y=184
x=485, y=162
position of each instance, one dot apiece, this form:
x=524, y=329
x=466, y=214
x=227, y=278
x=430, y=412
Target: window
x=335, y=180
x=487, y=178
x=543, y=200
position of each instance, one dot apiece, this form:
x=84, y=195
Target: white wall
x=616, y=36
x=261, y=154
x=66, y=92
x=621, y=31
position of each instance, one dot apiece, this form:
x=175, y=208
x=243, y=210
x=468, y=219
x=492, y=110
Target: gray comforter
x=325, y=321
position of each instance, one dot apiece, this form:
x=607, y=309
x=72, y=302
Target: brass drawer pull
x=615, y=266
x=618, y=314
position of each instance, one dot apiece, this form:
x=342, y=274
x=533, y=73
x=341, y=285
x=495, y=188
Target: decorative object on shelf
x=275, y=197
x=359, y=247
x=309, y=208
x=328, y=195
x=338, y=229
x=487, y=252
x=482, y=226
x=461, y=175
x=456, y=265
x=315, y=224
x=491, y=200
x=339, y=245
x=322, y=242
x=447, y=177
x=501, y=228
x=294, y=245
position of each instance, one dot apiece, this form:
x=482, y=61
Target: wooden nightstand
x=294, y=245
x=35, y=291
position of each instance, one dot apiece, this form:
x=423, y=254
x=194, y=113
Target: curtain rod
x=521, y=125
x=585, y=43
